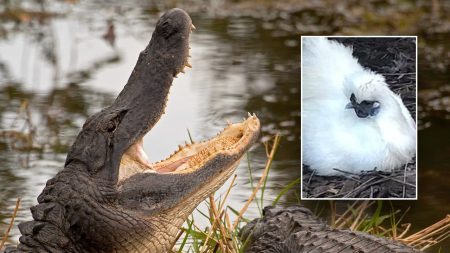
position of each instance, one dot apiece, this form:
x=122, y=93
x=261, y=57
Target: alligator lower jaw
x=234, y=139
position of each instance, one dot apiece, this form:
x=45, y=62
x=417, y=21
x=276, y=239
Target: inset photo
x=358, y=117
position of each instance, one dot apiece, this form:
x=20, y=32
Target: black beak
x=364, y=109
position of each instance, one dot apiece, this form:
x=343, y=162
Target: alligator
x=109, y=197
x=296, y=229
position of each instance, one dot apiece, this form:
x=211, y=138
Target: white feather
x=335, y=137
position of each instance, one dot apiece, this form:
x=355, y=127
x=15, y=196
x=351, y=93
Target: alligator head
x=108, y=197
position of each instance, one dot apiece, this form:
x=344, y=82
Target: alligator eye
x=110, y=124
x=110, y=127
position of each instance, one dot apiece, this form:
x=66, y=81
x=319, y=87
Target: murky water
x=62, y=70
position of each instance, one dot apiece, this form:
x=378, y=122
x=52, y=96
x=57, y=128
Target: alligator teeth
x=193, y=27
x=188, y=65
x=248, y=113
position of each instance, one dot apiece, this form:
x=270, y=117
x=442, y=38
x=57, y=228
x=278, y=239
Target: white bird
x=351, y=120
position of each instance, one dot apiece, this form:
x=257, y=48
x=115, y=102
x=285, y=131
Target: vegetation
x=222, y=235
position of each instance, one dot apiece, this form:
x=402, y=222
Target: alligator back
x=296, y=229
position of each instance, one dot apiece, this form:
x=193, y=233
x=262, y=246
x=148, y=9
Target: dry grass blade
x=180, y=233
x=353, y=218
x=333, y=212
x=342, y=220
x=408, y=226
x=348, y=195
x=429, y=236
x=5, y=237
x=404, y=183
x=222, y=203
x=209, y=237
x=260, y=182
x=205, y=246
x=310, y=177
x=222, y=240
x=360, y=211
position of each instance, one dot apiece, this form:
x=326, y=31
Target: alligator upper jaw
x=234, y=140
x=108, y=134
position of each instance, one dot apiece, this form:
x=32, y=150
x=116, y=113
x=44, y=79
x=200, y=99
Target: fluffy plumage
x=351, y=120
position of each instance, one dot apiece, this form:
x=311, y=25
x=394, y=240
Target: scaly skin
x=108, y=198
x=296, y=230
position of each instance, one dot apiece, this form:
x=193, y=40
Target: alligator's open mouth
x=190, y=157
x=234, y=139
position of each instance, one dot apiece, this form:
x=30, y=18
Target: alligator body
x=296, y=230
x=109, y=197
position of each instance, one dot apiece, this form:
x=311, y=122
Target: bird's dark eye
x=361, y=113
x=367, y=108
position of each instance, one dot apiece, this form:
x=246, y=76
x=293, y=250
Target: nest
x=400, y=183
